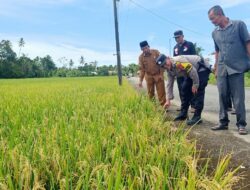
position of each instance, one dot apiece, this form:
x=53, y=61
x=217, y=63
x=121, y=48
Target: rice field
x=90, y=133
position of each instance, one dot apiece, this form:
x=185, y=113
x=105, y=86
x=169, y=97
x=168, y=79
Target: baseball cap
x=161, y=60
x=178, y=33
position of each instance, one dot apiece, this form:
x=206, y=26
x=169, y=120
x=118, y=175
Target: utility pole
x=118, y=55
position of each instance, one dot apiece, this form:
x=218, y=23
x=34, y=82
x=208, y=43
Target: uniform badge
x=185, y=48
x=176, y=51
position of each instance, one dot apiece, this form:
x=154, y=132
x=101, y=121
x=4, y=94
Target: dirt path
x=214, y=144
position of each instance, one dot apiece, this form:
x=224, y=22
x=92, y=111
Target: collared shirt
x=148, y=66
x=187, y=66
x=230, y=42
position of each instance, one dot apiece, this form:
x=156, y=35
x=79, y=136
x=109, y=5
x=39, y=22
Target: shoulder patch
x=183, y=66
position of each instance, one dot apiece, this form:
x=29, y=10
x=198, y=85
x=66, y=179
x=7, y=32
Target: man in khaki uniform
x=152, y=72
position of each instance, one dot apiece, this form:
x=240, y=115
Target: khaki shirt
x=148, y=66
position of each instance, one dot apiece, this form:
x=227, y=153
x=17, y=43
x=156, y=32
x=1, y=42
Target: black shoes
x=182, y=116
x=242, y=130
x=219, y=127
x=194, y=120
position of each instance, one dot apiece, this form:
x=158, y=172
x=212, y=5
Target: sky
x=75, y=28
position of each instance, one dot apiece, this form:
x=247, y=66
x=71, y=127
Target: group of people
x=232, y=60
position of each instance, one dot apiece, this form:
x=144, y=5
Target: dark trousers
x=180, y=82
x=229, y=101
x=198, y=98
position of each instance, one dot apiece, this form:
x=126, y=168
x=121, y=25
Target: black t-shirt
x=187, y=48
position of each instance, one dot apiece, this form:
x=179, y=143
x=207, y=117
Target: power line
x=163, y=18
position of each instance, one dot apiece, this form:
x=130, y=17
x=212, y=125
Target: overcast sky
x=74, y=28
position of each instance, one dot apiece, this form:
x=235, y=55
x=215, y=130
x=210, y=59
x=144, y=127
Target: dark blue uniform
x=187, y=48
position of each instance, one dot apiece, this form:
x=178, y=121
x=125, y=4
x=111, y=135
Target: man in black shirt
x=182, y=47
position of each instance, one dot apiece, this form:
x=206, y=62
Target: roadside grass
x=212, y=79
x=90, y=133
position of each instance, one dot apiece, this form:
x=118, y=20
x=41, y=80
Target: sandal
x=242, y=131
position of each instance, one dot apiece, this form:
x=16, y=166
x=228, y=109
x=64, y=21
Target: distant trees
x=12, y=66
x=131, y=69
x=21, y=66
x=198, y=49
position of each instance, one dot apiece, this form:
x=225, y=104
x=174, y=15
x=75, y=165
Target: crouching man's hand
x=194, y=89
x=140, y=84
x=167, y=104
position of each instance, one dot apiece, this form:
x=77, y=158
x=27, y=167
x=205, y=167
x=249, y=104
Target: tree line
x=21, y=66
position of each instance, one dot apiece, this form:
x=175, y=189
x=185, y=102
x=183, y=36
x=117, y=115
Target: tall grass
x=90, y=133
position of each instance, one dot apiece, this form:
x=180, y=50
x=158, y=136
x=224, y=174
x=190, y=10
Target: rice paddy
x=90, y=133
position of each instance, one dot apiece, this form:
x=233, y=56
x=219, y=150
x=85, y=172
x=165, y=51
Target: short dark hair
x=217, y=10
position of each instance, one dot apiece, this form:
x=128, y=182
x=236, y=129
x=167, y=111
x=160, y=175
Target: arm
x=216, y=55
x=193, y=74
x=170, y=86
x=245, y=36
x=142, y=71
x=248, y=48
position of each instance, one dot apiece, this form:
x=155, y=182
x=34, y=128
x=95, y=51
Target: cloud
x=28, y=9
x=135, y=4
x=247, y=21
x=34, y=48
x=198, y=5
x=36, y=2
x=231, y=3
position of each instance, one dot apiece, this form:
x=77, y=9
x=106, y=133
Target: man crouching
x=196, y=73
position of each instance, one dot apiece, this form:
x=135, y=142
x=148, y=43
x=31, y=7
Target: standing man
x=195, y=71
x=232, y=46
x=182, y=47
x=153, y=73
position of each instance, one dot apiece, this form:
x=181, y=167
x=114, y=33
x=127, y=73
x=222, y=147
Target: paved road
x=211, y=108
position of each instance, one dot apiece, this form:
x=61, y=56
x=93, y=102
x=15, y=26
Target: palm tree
x=198, y=49
x=20, y=44
x=82, y=60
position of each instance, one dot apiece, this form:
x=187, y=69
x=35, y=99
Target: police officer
x=195, y=71
x=152, y=72
x=182, y=47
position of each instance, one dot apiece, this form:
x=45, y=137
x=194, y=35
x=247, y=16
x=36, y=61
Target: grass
x=212, y=79
x=90, y=133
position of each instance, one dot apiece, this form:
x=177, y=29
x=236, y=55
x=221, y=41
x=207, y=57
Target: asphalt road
x=211, y=108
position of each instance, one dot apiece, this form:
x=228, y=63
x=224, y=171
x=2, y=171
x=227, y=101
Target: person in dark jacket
x=183, y=47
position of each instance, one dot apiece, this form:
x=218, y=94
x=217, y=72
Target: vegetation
x=21, y=66
x=212, y=79
x=88, y=133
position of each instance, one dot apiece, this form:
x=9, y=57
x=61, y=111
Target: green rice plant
x=90, y=133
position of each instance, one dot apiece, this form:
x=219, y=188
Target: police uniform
x=195, y=71
x=153, y=75
x=186, y=48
